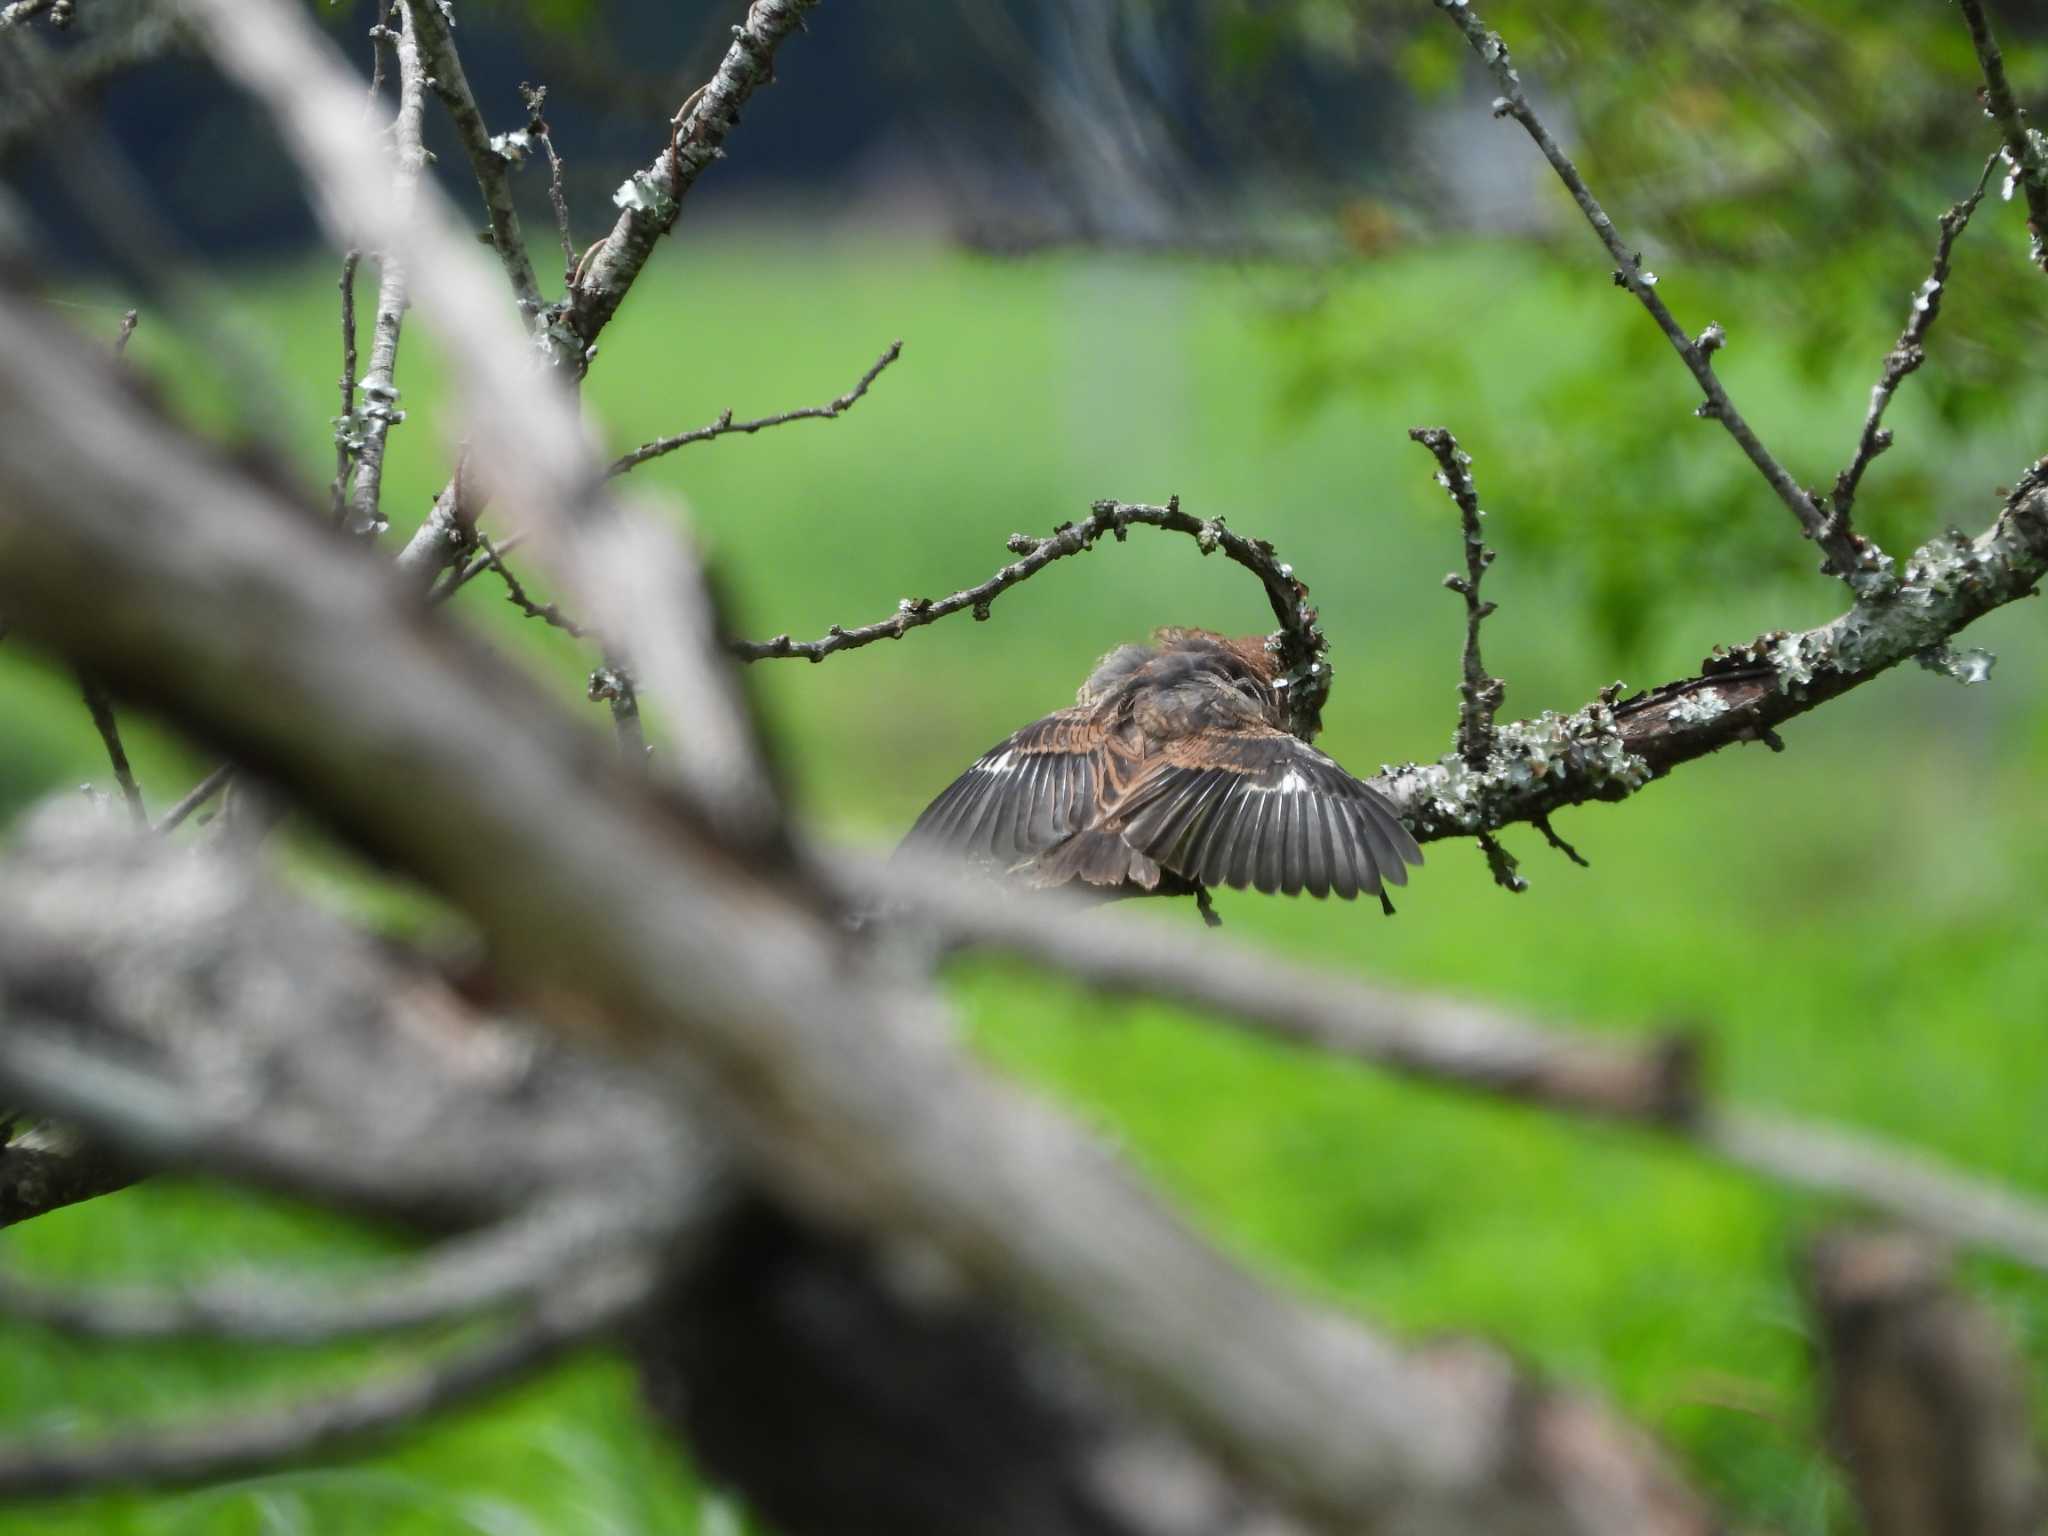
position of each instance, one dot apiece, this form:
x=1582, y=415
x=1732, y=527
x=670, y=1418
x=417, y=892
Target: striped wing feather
x=1020, y=797
x=1259, y=808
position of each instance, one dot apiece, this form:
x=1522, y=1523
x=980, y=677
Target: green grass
x=1855, y=926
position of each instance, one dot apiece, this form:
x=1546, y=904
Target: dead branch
x=725, y=424
x=1860, y=563
x=732, y=988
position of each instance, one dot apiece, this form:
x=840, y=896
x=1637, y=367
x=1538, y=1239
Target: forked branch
x=1865, y=567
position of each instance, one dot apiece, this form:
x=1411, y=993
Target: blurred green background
x=1855, y=926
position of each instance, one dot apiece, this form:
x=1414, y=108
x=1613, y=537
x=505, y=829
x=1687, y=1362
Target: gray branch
x=1659, y=1084
x=1860, y=563
x=732, y=987
x=1613, y=747
x=380, y=410
x=651, y=199
x=431, y=26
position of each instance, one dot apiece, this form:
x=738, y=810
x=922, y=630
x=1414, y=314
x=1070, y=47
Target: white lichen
x=1700, y=708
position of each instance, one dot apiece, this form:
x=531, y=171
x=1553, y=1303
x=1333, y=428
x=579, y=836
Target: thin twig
x=1911, y=349
x=380, y=412
x=347, y=429
x=102, y=709
x=195, y=798
x=726, y=425
x=129, y=319
x=515, y=593
x=1860, y=563
x=2026, y=151
x=611, y=684
x=458, y=577
x=1480, y=694
x=370, y=1411
x=1299, y=644
x=380, y=34
x=444, y=67
x=536, y=97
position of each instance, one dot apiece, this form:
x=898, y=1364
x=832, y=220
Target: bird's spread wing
x=1257, y=807
x=1021, y=797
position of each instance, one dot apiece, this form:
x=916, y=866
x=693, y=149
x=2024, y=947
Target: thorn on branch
x=1480, y=694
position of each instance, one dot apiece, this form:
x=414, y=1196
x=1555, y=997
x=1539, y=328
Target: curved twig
x=1299, y=643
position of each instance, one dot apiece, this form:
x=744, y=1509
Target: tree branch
x=1613, y=747
x=380, y=412
x=1658, y=1085
x=1860, y=563
x=733, y=987
x=1480, y=694
x=1299, y=643
x=195, y=799
x=430, y=26
x=651, y=200
x=1911, y=349
x=347, y=429
x=725, y=424
x=2026, y=151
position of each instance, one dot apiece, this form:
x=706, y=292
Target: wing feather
x=1022, y=796
x=1256, y=807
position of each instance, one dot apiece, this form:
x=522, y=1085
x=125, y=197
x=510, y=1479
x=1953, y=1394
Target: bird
x=1172, y=773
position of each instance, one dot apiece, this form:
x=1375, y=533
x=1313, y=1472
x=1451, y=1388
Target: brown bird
x=1171, y=774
